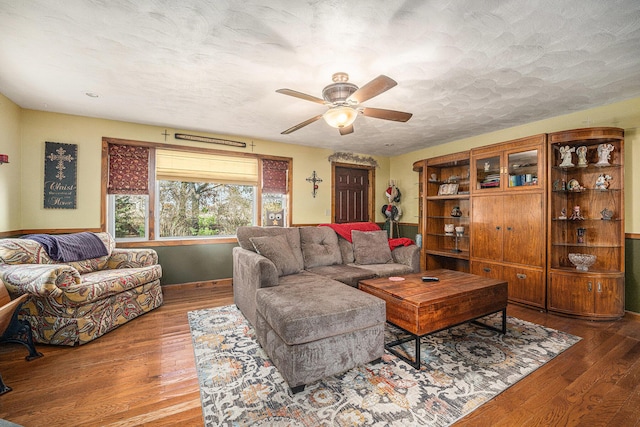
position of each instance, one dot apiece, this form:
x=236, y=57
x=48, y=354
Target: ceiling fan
x=344, y=99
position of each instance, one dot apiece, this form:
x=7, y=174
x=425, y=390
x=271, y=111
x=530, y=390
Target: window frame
x=152, y=239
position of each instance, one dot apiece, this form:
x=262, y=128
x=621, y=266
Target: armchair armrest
x=407, y=255
x=132, y=258
x=251, y=271
x=38, y=279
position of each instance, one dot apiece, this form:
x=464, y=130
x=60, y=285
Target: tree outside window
x=203, y=209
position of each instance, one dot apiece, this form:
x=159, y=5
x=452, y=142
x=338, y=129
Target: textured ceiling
x=463, y=67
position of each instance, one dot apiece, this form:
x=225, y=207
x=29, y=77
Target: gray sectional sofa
x=298, y=287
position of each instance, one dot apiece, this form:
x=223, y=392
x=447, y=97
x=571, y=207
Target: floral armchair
x=75, y=302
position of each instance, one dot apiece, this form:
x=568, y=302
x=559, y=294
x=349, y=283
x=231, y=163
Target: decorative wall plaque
x=60, y=166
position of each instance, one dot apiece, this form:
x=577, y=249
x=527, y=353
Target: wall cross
x=60, y=158
x=315, y=180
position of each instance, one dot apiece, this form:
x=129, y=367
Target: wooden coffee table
x=422, y=308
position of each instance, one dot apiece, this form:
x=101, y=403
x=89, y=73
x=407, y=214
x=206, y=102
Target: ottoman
x=310, y=332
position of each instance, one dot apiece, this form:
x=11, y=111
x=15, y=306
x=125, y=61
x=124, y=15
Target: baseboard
x=177, y=287
x=632, y=315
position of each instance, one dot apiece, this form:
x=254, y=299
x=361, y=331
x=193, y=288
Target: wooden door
x=609, y=297
x=524, y=237
x=351, y=195
x=487, y=227
x=570, y=294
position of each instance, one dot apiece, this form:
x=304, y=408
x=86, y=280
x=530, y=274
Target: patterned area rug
x=463, y=367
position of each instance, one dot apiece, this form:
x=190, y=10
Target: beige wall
x=10, y=192
x=624, y=115
x=38, y=127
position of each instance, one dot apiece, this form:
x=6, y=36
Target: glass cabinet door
x=488, y=174
x=523, y=168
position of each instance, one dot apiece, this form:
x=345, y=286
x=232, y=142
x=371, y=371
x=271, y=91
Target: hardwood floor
x=143, y=373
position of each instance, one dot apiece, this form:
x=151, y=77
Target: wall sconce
x=4, y=158
x=315, y=180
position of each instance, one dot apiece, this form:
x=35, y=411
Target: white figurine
x=565, y=152
x=602, y=182
x=604, y=154
x=582, y=156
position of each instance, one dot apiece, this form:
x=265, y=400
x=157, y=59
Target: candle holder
x=458, y=235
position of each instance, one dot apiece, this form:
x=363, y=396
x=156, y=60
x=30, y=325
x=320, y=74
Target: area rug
x=463, y=367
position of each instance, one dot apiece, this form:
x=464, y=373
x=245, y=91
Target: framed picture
x=448, y=189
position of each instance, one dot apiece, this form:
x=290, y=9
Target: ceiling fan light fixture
x=341, y=116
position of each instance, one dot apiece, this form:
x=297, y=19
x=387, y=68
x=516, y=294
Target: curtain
x=274, y=176
x=188, y=166
x=128, y=169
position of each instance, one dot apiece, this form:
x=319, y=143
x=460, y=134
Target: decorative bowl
x=582, y=261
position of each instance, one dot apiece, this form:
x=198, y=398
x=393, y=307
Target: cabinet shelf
x=464, y=236
x=587, y=191
x=591, y=271
x=451, y=181
x=588, y=167
x=449, y=197
x=585, y=245
x=579, y=221
x=448, y=254
x=448, y=217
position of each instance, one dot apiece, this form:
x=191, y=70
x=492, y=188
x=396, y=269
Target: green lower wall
x=632, y=275
x=408, y=230
x=195, y=263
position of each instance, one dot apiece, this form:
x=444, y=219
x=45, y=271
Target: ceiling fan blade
x=379, y=113
x=375, y=87
x=301, y=95
x=346, y=130
x=301, y=125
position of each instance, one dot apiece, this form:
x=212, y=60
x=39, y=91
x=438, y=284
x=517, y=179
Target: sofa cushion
x=371, y=247
x=346, y=250
x=319, y=247
x=278, y=251
x=300, y=314
x=103, y=283
x=291, y=233
x=386, y=270
x=347, y=274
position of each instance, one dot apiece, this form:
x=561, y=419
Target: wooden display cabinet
x=586, y=216
x=508, y=207
x=445, y=201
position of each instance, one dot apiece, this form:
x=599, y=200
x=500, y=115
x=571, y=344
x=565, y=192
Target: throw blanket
x=71, y=247
x=344, y=230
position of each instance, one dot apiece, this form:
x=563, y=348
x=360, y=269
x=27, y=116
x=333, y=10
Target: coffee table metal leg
x=415, y=363
x=502, y=329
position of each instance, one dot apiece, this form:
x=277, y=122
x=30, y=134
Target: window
x=190, y=209
x=203, y=194
x=130, y=214
x=193, y=193
x=274, y=192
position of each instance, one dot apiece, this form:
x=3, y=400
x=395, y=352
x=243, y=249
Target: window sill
x=177, y=242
